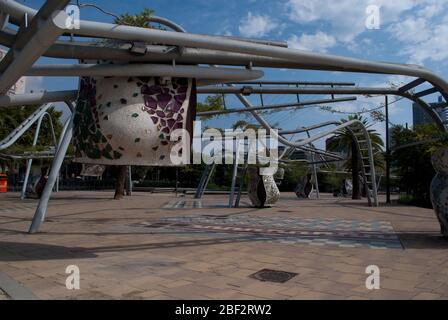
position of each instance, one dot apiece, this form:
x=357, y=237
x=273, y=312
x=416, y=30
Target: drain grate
x=267, y=275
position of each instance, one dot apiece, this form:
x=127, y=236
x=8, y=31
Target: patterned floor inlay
x=196, y=204
x=312, y=231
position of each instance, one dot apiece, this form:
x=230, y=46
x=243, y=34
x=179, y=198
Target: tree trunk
x=120, y=182
x=355, y=172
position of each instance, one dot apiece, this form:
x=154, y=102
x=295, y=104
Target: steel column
x=32, y=42
x=388, y=153
x=234, y=173
x=40, y=213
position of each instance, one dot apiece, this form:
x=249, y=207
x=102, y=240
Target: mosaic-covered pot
x=263, y=190
x=304, y=187
x=128, y=121
x=439, y=188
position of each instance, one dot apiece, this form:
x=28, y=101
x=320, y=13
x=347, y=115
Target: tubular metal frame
x=181, y=49
x=30, y=161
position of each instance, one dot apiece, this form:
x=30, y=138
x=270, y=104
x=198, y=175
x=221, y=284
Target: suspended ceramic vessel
x=128, y=121
x=263, y=190
x=439, y=188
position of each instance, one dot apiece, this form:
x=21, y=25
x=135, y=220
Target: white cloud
x=423, y=39
x=347, y=17
x=419, y=26
x=256, y=25
x=319, y=41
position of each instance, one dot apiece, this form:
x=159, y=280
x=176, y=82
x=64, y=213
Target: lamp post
x=388, y=153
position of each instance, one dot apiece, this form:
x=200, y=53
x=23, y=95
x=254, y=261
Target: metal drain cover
x=273, y=275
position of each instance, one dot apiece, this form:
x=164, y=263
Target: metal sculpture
x=439, y=188
x=174, y=54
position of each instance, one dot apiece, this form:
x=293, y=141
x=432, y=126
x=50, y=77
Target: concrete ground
x=3, y=295
x=157, y=246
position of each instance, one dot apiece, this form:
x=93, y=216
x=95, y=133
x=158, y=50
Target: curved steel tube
x=30, y=161
x=111, y=31
x=23, y=127
x=168, y=23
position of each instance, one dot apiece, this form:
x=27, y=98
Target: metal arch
x=24, y=126
x=30, y=161
x=302, y=143
x=223, y=50
x=167, y=23
x=341, y=90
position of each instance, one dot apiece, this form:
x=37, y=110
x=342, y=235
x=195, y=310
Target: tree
x=211, y=103
x=413, y=163
x=11, y=118
x=141, y=19
x=343, y=141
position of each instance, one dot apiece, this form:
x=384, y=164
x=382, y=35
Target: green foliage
x=293, y=171
x=138, y=20
x=342, y=141
x=413, y=164
x=211, y=103
x=330, y=182
x=11, y=118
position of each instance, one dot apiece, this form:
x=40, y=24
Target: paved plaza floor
x=158, y=246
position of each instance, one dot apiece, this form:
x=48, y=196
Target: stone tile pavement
x=3, y=295
x=144, y=247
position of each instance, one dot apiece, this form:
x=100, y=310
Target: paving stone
x=122, y=257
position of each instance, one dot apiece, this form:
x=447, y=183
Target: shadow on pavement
x=423, y=240
x=19, y=251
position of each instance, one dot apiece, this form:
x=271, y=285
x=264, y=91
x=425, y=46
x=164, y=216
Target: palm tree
x=343, y=141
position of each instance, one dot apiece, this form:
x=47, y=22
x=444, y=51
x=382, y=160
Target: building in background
x=421, y=117
x=19, y=87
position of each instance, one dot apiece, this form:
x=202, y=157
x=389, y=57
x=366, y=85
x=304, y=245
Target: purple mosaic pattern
x=164, y=104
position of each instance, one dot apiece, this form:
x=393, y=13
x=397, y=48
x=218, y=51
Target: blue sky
x=410, y=31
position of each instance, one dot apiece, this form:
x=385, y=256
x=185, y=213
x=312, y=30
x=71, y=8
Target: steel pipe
x=294, y=83
x=276, y=106
x=32, y=42
x=323, y=61
x=249, y=90
x=136, y=70
x=15, y=100
x=63, y=145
